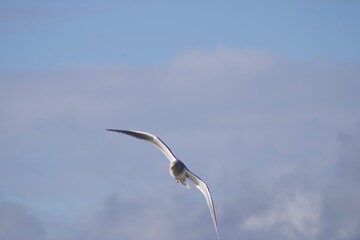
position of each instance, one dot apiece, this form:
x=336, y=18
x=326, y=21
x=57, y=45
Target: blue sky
x=53, y=34
x=259, y=99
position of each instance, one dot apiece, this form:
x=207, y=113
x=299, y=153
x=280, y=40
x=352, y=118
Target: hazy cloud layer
x=17, y=223
x=280, y=139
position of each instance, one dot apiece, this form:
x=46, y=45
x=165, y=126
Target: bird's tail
x=184, y=183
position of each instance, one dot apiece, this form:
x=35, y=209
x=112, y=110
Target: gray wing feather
x=205, y=190
x=151, y=138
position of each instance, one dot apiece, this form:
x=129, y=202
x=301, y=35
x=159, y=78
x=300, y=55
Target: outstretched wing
x=151, y=138
x=205, y=190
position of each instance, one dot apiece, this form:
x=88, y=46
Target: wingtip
x=217, y=233
x=111, y=130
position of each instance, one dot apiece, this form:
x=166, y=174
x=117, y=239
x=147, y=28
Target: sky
x=260, y=99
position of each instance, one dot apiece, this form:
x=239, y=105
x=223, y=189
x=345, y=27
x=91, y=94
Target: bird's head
x=177, y=167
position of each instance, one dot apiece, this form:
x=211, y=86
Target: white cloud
x=298, y=217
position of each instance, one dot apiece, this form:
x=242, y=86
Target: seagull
x=177, y=168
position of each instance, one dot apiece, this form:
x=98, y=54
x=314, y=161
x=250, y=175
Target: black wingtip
x=112, y=130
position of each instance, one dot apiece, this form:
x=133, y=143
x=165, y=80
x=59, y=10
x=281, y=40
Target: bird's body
x=177, y=168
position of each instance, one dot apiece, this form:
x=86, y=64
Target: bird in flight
x=177, y=168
